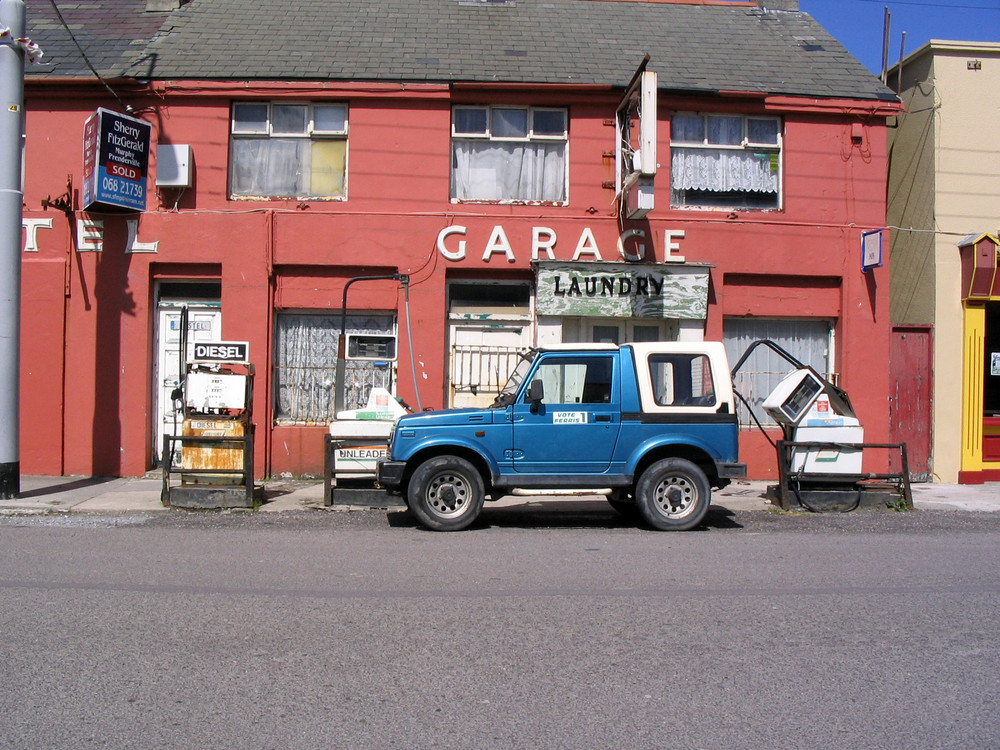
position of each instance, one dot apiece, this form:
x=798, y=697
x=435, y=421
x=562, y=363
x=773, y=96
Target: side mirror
x=536, y=393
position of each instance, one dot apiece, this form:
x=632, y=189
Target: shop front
x=981, y=360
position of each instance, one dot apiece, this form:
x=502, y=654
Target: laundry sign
x=623, y=290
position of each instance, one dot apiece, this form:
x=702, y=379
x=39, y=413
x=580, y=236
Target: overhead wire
x=127, y=107
x=950, y=6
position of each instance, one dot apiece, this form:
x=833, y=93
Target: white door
x=204, y=324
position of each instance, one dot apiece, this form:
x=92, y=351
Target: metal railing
x=476, y=369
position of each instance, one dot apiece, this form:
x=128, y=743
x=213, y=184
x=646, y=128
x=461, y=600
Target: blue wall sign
x=115, y=161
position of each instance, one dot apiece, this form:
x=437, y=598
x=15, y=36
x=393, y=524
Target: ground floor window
x=305, y=363
x=808, y=340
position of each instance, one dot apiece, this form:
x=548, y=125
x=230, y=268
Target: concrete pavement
x=141, y=494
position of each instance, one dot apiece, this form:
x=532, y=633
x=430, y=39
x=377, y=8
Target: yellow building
x=944, y=207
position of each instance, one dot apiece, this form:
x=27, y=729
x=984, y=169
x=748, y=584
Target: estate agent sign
x=115, y=161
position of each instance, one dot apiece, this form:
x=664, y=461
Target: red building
x=468, y=145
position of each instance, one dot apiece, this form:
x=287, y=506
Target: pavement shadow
x=541, y=517
x=56, y=485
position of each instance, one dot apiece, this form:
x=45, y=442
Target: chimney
x=154, y=6
x=778, y=4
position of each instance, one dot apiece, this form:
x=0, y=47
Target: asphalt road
x=534, y=629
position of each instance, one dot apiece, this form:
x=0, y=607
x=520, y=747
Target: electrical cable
x=409, y=337
x=127, y=107
x=949, y=6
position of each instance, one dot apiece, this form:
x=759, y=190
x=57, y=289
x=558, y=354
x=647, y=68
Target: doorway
x=489, y=326
x=204, y=323
x=911, y=352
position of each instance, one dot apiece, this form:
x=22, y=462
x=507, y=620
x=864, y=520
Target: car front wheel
x=446, y=493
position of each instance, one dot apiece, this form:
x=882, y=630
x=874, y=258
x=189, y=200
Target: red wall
x=87, y=344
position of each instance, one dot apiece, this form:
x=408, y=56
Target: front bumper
x=389, y=474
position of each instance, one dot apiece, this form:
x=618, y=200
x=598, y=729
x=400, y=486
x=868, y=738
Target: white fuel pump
x=811, y=412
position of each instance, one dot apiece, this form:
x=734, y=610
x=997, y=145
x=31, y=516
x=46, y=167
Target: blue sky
x=858, y=24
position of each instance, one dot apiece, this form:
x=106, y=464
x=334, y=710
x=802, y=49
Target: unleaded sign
x=115, y=161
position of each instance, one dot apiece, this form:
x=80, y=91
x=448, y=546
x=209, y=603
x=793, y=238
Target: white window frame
x=310, y=131
x=531, y=135
x=745, y=145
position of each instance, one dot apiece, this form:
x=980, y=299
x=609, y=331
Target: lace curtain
x=722, y=170
x=493, y=171
x=271, y=167
x=306, y=365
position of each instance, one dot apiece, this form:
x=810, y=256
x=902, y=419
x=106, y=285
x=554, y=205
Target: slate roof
x=693, y=48
x=112, y=33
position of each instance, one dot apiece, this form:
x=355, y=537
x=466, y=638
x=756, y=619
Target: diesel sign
x=221, y=351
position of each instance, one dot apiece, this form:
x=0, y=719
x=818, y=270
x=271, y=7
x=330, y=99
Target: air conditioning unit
x=173, y=165
x=639, y=198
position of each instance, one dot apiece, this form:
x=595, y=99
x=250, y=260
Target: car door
x=573, y=430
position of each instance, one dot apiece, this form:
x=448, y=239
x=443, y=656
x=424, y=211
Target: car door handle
x=602, y=417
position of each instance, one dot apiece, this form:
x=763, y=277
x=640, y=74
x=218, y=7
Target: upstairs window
x=509, y=154
x=725, y=161
x=288, y=150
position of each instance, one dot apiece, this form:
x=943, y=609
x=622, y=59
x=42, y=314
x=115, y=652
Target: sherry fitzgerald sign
x=115, y=160
x=622, y=290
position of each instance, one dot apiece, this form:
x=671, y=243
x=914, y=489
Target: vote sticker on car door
x=569, y=417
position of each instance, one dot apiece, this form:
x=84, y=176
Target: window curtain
x=305, y=352
x=492, y=171
x=270, y=167
x=806, y=340
x=722, y=170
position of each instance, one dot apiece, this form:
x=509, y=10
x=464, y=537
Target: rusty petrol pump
x=216, y=440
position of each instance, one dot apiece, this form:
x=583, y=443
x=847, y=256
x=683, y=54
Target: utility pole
x=12, y=24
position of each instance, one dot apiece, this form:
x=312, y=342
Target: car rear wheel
x=673, y=495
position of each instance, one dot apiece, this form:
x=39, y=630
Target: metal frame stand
x=839, y=492
x=355, y=496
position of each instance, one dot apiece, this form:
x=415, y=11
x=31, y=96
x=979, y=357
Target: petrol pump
x=820, y=455
x=216, y=453
x=818, y=422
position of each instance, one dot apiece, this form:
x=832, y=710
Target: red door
x=910, y=366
